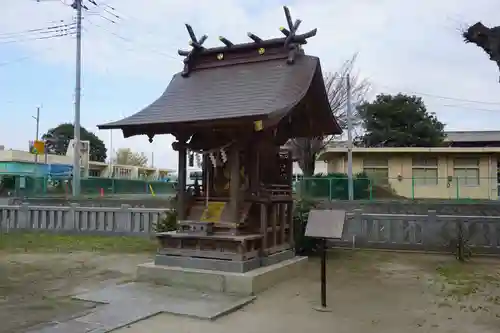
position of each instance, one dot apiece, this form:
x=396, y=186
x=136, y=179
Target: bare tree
x=486, y=38
x=125, y=156
x=305, y=150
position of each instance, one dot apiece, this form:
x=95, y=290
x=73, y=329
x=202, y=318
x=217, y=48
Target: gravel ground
x=37, y=288
x=367, y=292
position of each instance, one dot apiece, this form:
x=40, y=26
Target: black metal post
x=323, y=272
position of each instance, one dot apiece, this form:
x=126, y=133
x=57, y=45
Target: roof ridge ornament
x=197, y=48
x=226, y=41
x=292, y=43
x=292, y=40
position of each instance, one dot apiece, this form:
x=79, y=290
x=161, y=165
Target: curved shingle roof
x=259, y=89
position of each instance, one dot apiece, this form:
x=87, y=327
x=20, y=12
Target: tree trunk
x=308, y=165
x=307, y=158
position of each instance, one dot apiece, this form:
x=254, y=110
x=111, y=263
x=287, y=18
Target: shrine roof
x=256, y=81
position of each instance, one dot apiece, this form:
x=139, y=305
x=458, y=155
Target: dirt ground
x=37, y=288
x=367, y=291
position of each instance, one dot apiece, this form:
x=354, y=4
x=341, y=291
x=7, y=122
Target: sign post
x=324, y=225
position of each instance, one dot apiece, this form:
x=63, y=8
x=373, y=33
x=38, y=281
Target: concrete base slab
x=122, y=305
x=248, y=283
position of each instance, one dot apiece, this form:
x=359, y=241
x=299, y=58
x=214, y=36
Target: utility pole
x=37, y=118
x=77, y=5
x=350, y=184
x=110, y=171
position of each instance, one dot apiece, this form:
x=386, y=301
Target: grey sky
x=408, y=46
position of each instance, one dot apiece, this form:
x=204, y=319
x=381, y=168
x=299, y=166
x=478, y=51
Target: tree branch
x=303, y=150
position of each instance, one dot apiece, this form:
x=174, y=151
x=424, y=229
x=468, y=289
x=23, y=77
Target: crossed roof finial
x=197, y=48
x=292, y=42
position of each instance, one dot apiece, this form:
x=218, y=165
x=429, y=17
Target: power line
x=24, y=58
x=38, y=38
x=442, y=97
x=125, y=17
x=129, y=40
x=469, y=108
x=37, y=30
x=107, y=9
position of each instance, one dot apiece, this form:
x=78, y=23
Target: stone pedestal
x=247, y=283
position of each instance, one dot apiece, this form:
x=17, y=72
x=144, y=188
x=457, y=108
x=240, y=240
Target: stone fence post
x=23, y=218
x=357, y=228
x=123, y=221
x=429, y=227
x=72, y=220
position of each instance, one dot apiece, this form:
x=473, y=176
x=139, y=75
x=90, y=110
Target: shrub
x=303, y=245
x=168, y=221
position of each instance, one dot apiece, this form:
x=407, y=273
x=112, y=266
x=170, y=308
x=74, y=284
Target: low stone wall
x=75, y=219
x=424, y=232
x=418, y=207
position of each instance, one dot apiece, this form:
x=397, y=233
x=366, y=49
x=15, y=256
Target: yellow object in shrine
x=258, y=126
x=213, y=212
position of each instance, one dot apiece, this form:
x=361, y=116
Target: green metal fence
x=319, y=187
x=456, y=188
x=95, y=185
x=91, y=186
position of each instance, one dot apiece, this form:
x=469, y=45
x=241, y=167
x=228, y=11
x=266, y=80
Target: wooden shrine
x=236, y=106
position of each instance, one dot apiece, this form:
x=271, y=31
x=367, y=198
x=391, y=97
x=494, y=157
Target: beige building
x=23, y=162
x=414, y=172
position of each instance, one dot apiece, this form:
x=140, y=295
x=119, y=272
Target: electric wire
x=36, y=30
x=456, y=99
x=131, y=41
x=116, y=15
x=30, y=39
x=24, y=58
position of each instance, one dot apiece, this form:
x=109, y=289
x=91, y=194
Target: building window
x=120, y=172
x=425, y=171
x=466, y=170
x=377, y=169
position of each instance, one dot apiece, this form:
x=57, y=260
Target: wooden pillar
x=181, y=181
x=263, y=225
x=255, y=169
x=234, y=185
x=274, y=212
x=283, y=220
x=289, y=218
x=204, y=174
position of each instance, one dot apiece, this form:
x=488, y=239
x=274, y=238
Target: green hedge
x=303, y=245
